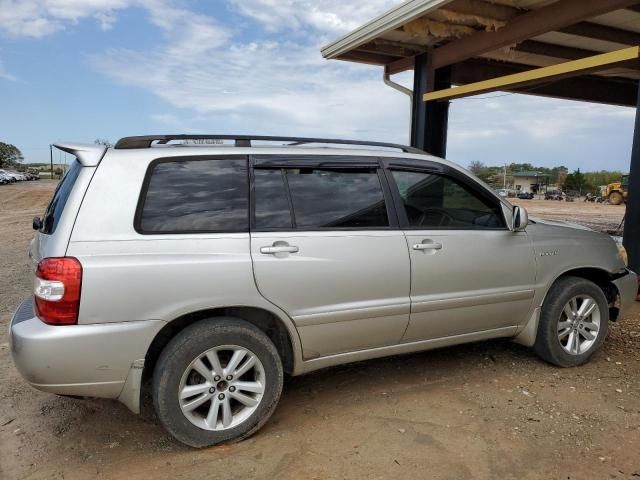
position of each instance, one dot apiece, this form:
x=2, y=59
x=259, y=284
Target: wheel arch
x=282, y=333
x=599, y=276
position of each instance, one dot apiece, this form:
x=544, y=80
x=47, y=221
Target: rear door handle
x=427, y=246
x=279, y=249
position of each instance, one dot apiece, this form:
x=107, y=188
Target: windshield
x=59, y=200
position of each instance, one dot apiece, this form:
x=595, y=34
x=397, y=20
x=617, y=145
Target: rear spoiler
x=88, y=154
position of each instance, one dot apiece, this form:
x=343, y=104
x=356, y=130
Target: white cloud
x=541, y=131
x=164, y=118
x=474, y=132
x=335, y=16
x=259, y=86
x=255, y=85
x=535, y=117
x=38, y=18
x=267, y=88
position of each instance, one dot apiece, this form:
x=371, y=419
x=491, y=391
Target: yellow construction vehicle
x=617, y=192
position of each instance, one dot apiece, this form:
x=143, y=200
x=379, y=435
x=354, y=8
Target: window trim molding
x=144, y=189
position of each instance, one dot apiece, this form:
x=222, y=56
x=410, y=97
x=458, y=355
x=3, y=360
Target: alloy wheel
x=222, y=387
x=579, y=324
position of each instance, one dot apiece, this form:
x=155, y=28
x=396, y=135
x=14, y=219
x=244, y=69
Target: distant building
x=531, y=181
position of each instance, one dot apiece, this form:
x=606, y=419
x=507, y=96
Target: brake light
x=56, y=289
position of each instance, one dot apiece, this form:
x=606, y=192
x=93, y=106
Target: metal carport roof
x=484, y=39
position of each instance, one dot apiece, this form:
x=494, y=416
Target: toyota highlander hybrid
x=207, y=272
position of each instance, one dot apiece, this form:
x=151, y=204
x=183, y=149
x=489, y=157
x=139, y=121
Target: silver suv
x=206, y=272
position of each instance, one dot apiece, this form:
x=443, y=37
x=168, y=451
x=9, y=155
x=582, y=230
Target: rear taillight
x=57, y=290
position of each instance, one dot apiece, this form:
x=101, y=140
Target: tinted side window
x=59, y=200
x=196, y=196
x=271, y=202
x=436, y=201
x=337, y=198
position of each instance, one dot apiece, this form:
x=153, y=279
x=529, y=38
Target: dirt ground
x=598, y=216
x=490, y=410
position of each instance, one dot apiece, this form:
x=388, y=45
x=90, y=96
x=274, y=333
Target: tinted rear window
x=337, y=199
x=54, y=210
x=271, y=202
x=196, y=196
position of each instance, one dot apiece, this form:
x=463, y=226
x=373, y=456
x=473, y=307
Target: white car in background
x=15, y=175
x=8, y=176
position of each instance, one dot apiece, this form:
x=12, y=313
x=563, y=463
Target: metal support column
x=632, y=217
x=429, y=119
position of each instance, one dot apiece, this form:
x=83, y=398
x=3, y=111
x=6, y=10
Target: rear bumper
x=628, y=289
x=86, y=360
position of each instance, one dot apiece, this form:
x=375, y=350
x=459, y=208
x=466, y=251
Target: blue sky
x=77, y=70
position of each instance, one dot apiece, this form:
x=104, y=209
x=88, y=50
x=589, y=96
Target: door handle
x=427, y=246
x=279, y=249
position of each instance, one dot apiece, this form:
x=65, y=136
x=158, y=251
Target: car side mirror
x=520, y=219
x=36, y=223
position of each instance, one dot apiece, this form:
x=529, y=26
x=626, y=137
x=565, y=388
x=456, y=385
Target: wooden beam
x=555, y=16
x=401, y=65
x=528, y=46
x=538, y=75
x=554, y=51
x=542, y=48
x=602, y=32
x=587, y=88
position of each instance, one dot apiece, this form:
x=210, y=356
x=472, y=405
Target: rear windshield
x=59, y=200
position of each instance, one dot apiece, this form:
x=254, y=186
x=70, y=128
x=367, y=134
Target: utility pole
x=505, y=176
x=51, y=159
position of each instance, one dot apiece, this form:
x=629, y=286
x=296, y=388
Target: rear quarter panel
x=55, y=244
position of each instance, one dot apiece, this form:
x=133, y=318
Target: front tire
x=573, y=322
x=217, y=381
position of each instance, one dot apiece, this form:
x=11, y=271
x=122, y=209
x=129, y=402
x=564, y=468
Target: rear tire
x=615, y=198
x=197, y=367
x=566, y=336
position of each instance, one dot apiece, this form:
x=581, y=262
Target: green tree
x=603, y=177
x=575, y=181
x=10, y=155
x=480, y=170
x=102, y=141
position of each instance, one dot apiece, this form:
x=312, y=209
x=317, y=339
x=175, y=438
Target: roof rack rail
x=145, y=141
